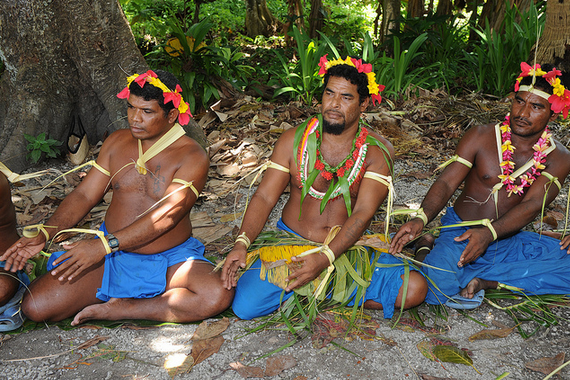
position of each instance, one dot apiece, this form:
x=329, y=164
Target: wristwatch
x=113, y=242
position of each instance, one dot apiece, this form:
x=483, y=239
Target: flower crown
x=374, y=88
x=169, y=96
x=560, y=98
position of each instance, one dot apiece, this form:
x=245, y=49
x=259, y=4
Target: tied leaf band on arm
x=244, y=239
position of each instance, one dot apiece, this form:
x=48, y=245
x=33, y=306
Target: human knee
x=8, y=287
x=216, y=300
x=417, y=289
x=32, y=308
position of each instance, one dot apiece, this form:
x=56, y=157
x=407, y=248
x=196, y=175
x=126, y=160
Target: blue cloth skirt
x=134, y=275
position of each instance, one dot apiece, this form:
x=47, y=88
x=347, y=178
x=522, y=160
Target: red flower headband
x=169, y=96
x=560, y=98
x=373, y=88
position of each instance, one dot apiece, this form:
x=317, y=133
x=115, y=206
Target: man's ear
x=173, y=115
x=554, y=116
x=364, y=104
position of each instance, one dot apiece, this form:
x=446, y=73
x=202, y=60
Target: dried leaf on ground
x=175, y=366
x=452, y=354
x=424, y=376
x=203, y=349
x=108, y=352
x=91, y=342
x=426, y=349
x=492, y=334
x=247, y=371
x=546, y=365
x=329, y=326
x=276, y=365
x=209, y=330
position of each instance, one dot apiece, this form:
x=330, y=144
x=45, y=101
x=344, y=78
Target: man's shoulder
x=561, y=152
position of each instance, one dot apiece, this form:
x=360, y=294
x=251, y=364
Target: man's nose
x=525, y=111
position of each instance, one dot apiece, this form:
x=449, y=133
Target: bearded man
x=337, y=170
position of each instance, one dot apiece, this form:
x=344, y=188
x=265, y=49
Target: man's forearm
x=73, y=208
x=436, y=199
x=350, y=233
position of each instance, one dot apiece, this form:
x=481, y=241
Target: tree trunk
x=494, y=11
x=316, y=18
x=445, y=7
x=259, y=20
x=62, y=57
x=554, y=45
x=416, y=8
x=391, y=12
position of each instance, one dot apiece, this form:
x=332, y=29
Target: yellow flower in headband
x=560, y=98
x=374, y=88
x=175, y=96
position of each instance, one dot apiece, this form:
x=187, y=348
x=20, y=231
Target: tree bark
x=445, y=7
x=494, y=12
x=316, y=18
x=62, y=57
x=554, y=45
x=259, y=20
x=416, y=8
x=391, y=12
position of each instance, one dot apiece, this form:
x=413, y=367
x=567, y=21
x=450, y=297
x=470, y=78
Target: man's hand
x=310, y=267
x=408, y=232
x=22, y=250
x=565, y=243
x=479, y=240
x=80, y=256
x=234, y=261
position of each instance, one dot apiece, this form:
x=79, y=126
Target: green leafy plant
x=498, y=55
x=41, y=145
x=200, y=64
x=301, y=78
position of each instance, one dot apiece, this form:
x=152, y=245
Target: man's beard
x=333, y=129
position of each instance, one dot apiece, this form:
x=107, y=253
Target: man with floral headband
x=144, y=263
x=339, y=175
x=510, y=171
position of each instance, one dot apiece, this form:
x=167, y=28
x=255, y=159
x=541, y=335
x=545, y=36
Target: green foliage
x=498, y=55
x=198, y=63
x=41, y=144
x=301, y=77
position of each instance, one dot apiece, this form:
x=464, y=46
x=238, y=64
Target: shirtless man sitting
x=10, y=283
x=147, y=266
x=338, y=149
x=510, y=171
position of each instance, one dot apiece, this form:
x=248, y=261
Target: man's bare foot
x=110, y=310
x=476, y=285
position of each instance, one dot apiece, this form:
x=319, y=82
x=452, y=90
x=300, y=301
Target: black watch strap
x=113, y=242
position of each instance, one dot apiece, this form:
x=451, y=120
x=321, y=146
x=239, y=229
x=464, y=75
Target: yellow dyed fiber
x=277, y=262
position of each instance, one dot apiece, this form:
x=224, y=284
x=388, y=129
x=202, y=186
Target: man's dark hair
x=352, y=75
x=149, y=92
x=539, y=82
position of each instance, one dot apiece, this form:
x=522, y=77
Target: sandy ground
x=52, y=353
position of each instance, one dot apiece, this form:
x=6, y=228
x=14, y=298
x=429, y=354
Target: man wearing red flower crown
x=145, y=264
x=510, y=171
x=339, y=174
